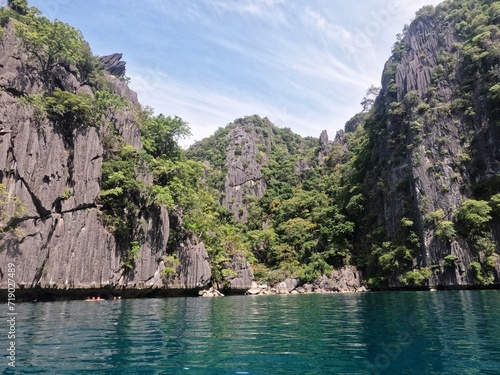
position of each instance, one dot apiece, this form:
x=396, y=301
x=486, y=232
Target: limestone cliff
x=409, y=193
x=240, y=169
x=257, y=167
x=61, y=242
x=244, y=161
x=436, y=142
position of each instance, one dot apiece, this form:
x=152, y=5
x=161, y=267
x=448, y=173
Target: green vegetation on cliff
x=409, y=193
x=299, y=227
x=426, y=148
x=405, y=178
x=50, y=44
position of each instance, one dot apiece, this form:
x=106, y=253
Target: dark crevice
x=40, y=271
x=145, y=281
x=80, y=208
x=42, y=211
x=28, y=236
x=13, y=91
x=255, y=180
x=16, y=221
x=56, y=206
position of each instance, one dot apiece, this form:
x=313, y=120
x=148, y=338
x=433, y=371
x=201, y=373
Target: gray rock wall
x=61, y=243
x=419, y=156
x=244, y=177
x=243, y=278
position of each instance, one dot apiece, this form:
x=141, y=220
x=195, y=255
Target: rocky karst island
x=98, y=198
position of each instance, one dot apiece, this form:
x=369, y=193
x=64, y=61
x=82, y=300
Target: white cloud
x=265, y=9
x=315, y=70
x=331, y=32
x=304, y=64
x=309, y=86
x=207, y=109
x=204, y=108
x=301, y=59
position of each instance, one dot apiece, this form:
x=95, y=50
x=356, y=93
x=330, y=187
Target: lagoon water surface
x=448, y=332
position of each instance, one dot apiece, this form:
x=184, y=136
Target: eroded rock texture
x=62, y=243
x=243, y=277
x=113, y=64
x=431, y=153
x=244, y=175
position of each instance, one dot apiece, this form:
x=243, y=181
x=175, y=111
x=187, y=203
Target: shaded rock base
x=56, y=294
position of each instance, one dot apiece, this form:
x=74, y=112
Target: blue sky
x=305, y=64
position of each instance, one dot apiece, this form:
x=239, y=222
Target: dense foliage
x=299, y=227
x=50, y=44
x=11, y=212
x=332, y=214
x=324, y=204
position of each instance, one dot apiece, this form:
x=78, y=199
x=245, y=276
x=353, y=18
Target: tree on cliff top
x=161, y=133
x=51, y=43
x=19, y=6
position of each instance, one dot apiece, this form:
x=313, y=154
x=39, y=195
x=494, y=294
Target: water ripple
x=406, y=333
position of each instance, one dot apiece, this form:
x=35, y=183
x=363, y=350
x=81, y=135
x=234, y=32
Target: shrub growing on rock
x=473, y=217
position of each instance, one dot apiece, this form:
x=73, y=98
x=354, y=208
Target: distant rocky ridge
x=244, y=175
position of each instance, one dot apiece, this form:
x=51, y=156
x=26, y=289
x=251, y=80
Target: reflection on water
x=397, y=332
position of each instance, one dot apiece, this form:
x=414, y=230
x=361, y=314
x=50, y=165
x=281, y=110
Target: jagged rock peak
x=113, y=64
x=340, y=137
x=325, y=145
x=323, y=138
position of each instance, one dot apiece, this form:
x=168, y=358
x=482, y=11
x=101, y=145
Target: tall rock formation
x=244, y=161
x=436, y=142
x=252, y=163
x=409, y=193
x=249, y=146
x=61, y=244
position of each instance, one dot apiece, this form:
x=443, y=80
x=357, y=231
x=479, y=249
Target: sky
x=304, y=64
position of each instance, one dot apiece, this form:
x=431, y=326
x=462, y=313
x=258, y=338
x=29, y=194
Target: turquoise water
x=452, y=332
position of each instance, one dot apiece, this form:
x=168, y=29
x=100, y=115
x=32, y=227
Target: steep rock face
x=243, y=278
x=244, y=162
x=68, y=252
x=122, y=89
x=423, y=151
x=252, y=144
x=423, y=47
x=63, y=243
x=16, y=76
x=87, y=163
x=148, y=265
x=193, y=270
